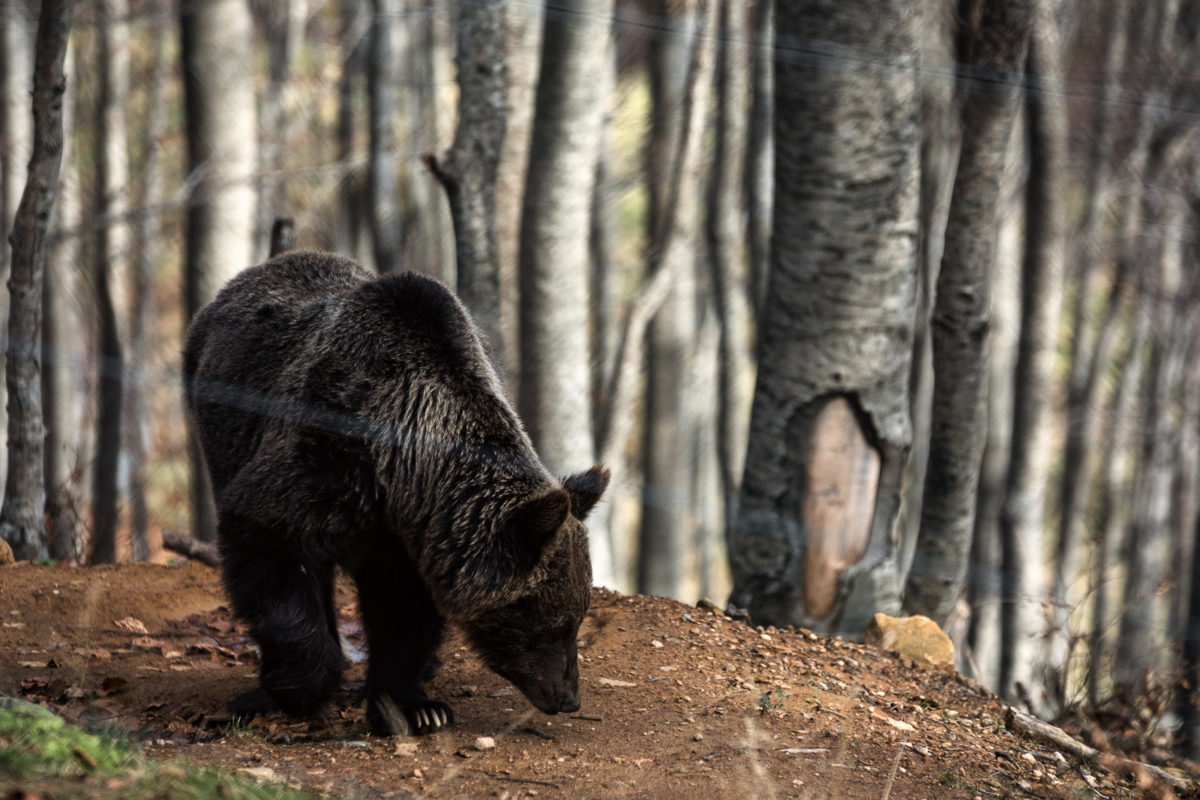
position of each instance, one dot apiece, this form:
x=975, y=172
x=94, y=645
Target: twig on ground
x=510, y=779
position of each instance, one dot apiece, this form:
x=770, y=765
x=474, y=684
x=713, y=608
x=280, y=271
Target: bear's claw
x=388, y=718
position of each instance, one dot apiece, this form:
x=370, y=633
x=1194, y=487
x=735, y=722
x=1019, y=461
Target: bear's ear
x=585, y=489
x=532, y=526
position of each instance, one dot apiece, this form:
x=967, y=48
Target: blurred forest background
x=869, y=306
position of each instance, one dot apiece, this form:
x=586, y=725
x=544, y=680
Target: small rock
x=656, y=643
x=6, y=553
x=405, y=749
x=485, y=743
x=615, y=682
x=917, y=639
x=698, y=737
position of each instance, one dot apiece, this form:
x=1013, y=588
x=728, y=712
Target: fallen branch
x=204, y=552
x=496, y=777
x=1031, y=726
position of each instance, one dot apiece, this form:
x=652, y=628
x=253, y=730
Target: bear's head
x=529, y=638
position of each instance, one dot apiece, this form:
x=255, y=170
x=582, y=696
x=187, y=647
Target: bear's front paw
x=253, y=703
x=412, y=718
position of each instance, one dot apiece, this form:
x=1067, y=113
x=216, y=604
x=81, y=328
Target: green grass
x=42, y=754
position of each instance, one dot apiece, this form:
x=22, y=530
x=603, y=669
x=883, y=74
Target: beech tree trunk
x=1142, y=640
x=63, y=327
x=18, y=29
x=554, y=388
x=468, y=170
x=667, y=535
x=1022, y=519
x=812, y=543
x=961, y=313
x=111, y=272
x=217, y=51
x=22, y=521
x=147, y=247
x=982, y=659
x=382, y=85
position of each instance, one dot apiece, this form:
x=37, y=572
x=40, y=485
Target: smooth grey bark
x=468, y=169
x=836, y=334
x=349, y=224
x=110, y=272
x=667, y=532
x=726, y=225
x=1022, y=519
x=62, y=373
x=523, y=43
x=429, y=240
x=1092, y=345
x=217, y=52
x=982, y=659
x=1142, y=638
x=760, y=149
x=146, y=252
x=22, y=524
x=1121, y=460
x=991, y=80
x=383, y=82
x=283, y=30
x=554, y=386
x=18, y=29
x=940, y=142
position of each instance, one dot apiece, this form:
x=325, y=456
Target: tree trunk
x=1023, y=516
x=961, y=314
x=283, y=23
x=1092, y=346
x=468, y=170
x=760, y=150
x=728, y=255
x=146, y=250
x=111, y=272
x=522, y=39
x=554, y=395
x=18, y=24
x=349, y=224
x=983, y=586
x=22, y=521
x=62, y=328
x=1119, y=458
x=667, y=536
x=1142, y=640
x=382, y=85
x=940, y=144
x=812, y=543
x=428, y=227
x=217, y=51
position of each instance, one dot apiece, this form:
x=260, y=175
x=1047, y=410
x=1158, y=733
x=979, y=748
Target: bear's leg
x=289, y=608
x=403, y=630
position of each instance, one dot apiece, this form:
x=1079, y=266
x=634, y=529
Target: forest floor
x=679, y=702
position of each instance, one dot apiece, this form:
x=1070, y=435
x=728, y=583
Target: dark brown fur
x=356, y=421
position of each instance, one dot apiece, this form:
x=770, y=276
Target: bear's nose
x=569, y=704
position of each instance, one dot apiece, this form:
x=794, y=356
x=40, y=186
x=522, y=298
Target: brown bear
x=356, y=421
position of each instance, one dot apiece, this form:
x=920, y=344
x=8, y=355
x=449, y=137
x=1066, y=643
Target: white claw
x=445, y=717
x=422, y=721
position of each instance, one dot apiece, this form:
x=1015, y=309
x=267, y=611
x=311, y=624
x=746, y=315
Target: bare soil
x=678, y=702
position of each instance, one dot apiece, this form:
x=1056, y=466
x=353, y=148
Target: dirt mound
x=679, y=702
